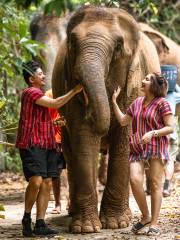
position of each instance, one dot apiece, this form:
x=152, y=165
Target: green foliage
x=2, y=207
x=12, y=160
x=163, y=15
x=55, y=6
x=16, y=47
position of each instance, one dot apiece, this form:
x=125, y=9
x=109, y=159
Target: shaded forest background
x=16, y=47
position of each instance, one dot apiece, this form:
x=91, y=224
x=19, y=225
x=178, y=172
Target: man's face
x=38, y=79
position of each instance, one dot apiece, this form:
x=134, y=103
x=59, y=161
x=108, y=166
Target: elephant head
x=103, y=49
x=51, y=31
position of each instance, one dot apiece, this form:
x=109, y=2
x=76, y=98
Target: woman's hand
x=147, y=137
x=116, y=94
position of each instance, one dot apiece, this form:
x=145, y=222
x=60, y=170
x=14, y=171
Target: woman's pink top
x=144, y=119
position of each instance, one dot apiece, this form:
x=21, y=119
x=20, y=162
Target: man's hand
x=116, y=94
x=147, y=137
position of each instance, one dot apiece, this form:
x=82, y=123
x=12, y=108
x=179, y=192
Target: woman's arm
x=123, y=119
x=60, y=101
x=167, y=129
x=168, y=122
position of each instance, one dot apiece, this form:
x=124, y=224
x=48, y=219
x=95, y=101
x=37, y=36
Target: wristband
x=155, y=134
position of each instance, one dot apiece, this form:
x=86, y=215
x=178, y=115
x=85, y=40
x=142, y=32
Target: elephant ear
x=128, y=30
x=157, y=38
x=59, y=71
x=130, y=33
x=145, y=61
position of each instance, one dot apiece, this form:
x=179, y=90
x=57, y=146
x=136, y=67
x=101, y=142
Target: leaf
x=23, y=40
x=54, y=6
x=2, y=104
x=2, y=207
x=31, y=49
x=2, y=216
x=22, y=29
x=8, y=69
x=154, y=8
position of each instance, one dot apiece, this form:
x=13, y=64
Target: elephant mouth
x=86, y=100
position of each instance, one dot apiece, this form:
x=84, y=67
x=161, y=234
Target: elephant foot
x=88, y=224
x=128, y=213
x=114, y=220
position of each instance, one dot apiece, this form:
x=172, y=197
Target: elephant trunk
x=91, y=74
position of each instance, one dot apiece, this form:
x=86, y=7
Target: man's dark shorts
x=39, y=162
x=61, y=161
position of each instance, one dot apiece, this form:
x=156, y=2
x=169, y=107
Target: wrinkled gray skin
x=51, y=31
x=104, y=48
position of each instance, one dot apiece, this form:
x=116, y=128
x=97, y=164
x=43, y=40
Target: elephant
x=51, y=31
x=168, y=50
x=104, y=49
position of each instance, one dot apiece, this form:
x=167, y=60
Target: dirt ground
x=12, y=196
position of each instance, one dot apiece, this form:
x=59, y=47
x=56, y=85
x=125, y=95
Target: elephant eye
x=73, y=38
x=119, y=44
x=118, y=47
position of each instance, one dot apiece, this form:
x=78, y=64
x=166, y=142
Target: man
x=37, y=146
x=58, y=122
x=173, y=99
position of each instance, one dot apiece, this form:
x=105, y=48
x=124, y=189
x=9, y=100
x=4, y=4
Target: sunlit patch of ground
x=12, y=188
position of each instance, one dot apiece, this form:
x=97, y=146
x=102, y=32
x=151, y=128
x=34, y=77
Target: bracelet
x=155, y=134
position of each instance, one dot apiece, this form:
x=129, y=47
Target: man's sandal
x=153, y=231
x=56, y=210
x=139, y=226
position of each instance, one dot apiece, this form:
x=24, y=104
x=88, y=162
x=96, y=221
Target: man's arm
x=60, y=101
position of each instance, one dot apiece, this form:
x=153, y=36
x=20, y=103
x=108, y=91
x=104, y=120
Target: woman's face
x=146, y=82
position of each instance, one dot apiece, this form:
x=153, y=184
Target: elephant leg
x=115, y=212
x=69, y=157
x=85, y=149
x=102, y=171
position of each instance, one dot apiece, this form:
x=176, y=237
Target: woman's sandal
x=139, y=226
x=153, y=231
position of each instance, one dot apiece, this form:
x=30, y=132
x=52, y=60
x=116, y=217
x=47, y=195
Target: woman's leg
x=56, y=183
x=156, y=174
x=136, y=179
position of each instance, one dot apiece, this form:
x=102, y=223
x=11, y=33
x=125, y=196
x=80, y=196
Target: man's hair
x=29, y=70
x=159, y=85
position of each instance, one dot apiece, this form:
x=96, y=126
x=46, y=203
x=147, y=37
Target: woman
x=151, y=119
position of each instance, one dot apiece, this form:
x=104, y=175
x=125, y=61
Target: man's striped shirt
x=35, y=124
